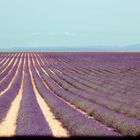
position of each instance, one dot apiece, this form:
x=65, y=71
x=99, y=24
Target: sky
x=69, y=23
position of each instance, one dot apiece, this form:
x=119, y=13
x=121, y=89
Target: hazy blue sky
x=35, y=23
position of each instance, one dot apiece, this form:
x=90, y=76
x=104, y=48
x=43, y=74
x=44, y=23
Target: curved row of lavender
x=30, y=119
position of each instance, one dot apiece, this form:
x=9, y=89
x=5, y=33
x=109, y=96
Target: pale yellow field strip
x=8, y=126
x=57, y=129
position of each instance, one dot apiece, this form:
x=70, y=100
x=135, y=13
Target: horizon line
x=118, y=51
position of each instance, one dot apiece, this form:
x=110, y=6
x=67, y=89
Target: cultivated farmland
x=69, y=94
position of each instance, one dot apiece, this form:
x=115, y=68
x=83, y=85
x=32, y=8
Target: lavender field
x=69, y=94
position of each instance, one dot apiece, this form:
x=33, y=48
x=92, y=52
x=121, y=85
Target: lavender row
x=31, y=120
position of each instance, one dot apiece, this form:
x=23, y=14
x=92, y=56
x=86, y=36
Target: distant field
x=69, y=94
